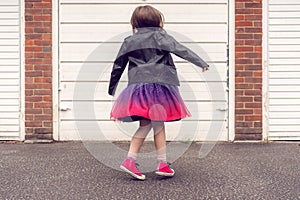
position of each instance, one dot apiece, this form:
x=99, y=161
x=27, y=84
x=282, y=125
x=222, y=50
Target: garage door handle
x=65, y=109
x=222, y=109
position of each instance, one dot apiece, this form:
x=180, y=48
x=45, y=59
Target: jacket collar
x=148, y=29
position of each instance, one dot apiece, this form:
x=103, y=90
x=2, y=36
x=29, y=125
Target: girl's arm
x=118, y=68
x=171, y=45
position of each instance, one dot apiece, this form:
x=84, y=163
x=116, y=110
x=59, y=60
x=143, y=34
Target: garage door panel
x=6, y=41
x=9, y=15
x=284, y=7
x=90, y=72
x=9, y=122
x=293, y=88
x=284, y=55
x=9, y=9
x=282, y=81
x=286, y=102
x=284, y=48
x=9, y=115
x=10, y=61
x=285, y=115
x=10, y=55
x=120, y=13
x=285, y=133
x=286, y=122
x=199, y=111
x=284, y=27
x=84, y=91
x=284, y=68
x=6, y=108
x=10, y=3
x=290, y=14
x=138, y=2
x=10, y=35
x=280, y=2
x=9, y=88
x=112, y=132
x=9, y=22
x=285, y=41
x=283, y=34
x=6, y=130
x=282, y=61
x=93, y=32
x=4, y=82
x=9, y=75
x=285, y=74
x=9, y=95
x=9, y=69
x=285, y=21
x=9, y=135
x=104, y=32
x=108, y=51
x=9, y=28
x=9, y=49
x=290, y=95
x=283, y=108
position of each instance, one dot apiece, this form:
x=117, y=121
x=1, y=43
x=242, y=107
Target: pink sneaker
x=163, y=169
x=129, y=167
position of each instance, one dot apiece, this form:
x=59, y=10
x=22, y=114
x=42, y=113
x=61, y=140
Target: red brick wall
x=38, y=69
x=248, y=74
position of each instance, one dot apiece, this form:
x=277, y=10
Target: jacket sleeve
x=173, y=46
x=118, y=68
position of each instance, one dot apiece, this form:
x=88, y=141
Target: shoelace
x=168, y=163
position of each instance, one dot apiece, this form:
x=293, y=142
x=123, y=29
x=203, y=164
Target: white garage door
x=284, y=69
x=88, y=25
x=10, y=66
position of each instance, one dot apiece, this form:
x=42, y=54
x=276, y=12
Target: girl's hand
x=204, y=69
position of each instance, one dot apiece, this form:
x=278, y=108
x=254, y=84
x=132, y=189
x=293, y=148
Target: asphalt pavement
x=230, y=171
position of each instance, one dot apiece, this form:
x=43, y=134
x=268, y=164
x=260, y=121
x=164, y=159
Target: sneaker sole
x=165, y=174
x=143, y=177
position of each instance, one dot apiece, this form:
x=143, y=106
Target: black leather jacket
x=148, y=53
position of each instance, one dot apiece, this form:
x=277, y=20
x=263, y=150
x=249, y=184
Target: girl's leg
x=138, y=138
x=160, y=140
x=163, y=168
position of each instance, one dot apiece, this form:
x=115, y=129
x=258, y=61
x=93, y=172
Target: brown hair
x=146, y=16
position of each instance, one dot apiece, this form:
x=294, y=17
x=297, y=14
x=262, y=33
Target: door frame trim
x=55, y=67
x=265, y=71
x=22, y=72
x=231, y=70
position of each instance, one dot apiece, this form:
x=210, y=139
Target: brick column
x=248, y=74
x=38, y=69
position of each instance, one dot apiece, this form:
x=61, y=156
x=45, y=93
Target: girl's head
x=146, y=16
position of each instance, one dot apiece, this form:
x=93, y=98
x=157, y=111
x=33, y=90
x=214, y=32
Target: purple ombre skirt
x=151, y=101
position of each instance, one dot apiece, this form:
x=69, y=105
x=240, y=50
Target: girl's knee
x=158, y=126
x=145, y=122
x=143, y=130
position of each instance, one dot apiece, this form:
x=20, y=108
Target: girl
x=152, y=96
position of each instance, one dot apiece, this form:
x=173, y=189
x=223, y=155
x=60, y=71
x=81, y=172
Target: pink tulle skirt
x=150, y=101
